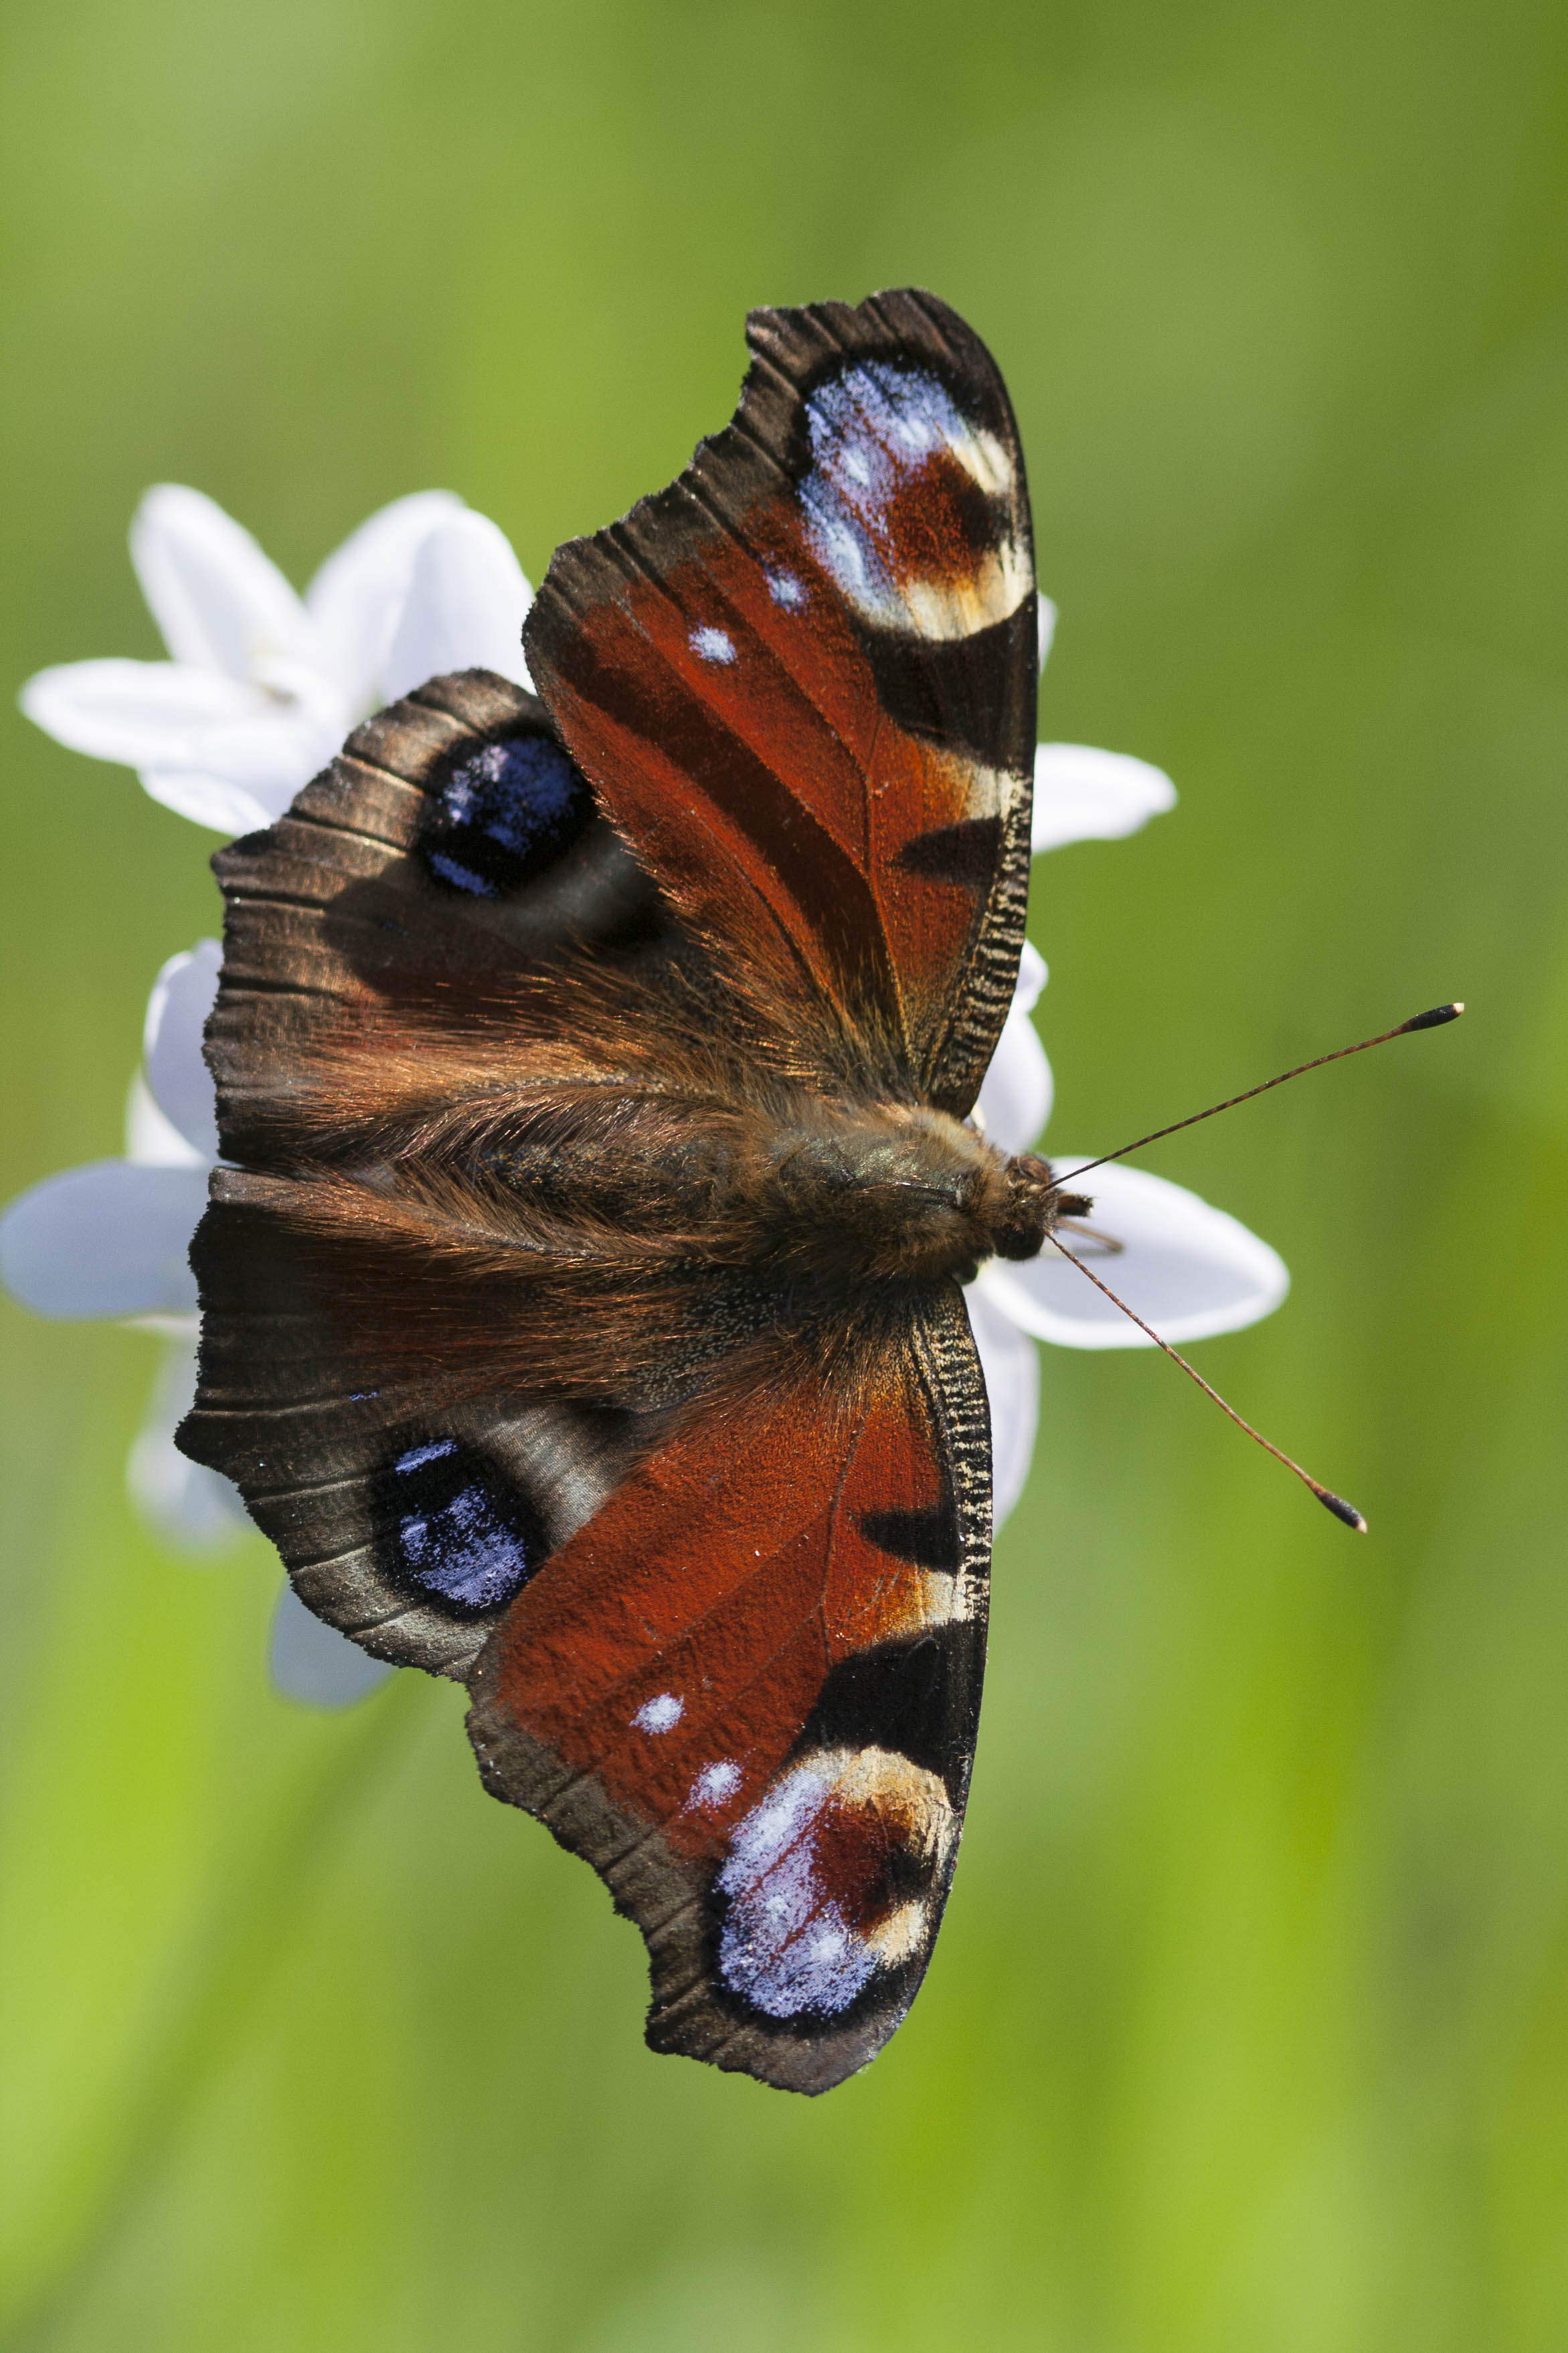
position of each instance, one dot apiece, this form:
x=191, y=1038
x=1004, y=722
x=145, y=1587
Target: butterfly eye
x=507, y=811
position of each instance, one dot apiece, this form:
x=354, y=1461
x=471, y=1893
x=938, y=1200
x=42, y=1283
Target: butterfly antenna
x=1325, y=1495
x=1434, y=1020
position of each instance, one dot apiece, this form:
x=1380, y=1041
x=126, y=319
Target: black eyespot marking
x=462, y=1533
x=505, y=813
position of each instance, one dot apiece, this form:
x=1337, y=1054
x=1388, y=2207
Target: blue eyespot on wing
x=457, y=1531
x=502, y=814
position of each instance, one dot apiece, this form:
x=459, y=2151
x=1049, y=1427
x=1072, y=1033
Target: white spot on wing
x=786, y=589
x=660, y=1713
x=712, y=645
x=714, y=1784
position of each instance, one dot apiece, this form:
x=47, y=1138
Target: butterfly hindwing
x=747, y=1693
x=408, y=1513
x=802, y=681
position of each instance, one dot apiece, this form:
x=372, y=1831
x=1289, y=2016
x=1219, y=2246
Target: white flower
x=1082, y=795
x=263, y=684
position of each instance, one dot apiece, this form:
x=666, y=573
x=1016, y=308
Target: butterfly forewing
x=450, y=846
x=803, y=680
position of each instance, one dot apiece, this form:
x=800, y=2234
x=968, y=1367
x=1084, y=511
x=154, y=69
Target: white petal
x=1033, y=973
x=228, y=753
x=1047, y=624
x=1011, y=1365
x=1187, y=1269
x=238, y=778
x=1015, y=1098
x=183, y=996
x=1082, y=795
x=110, y=1239
x=271, y=763
x=191, y=1508
x=140, y=713
x=466, y=607
x=301, y=696
x=310, y=1662
x=214, y=801
x=152, y=1139
x=219, y=602
x=357, y=596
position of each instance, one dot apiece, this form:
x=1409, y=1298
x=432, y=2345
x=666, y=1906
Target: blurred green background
x=1248, y=2031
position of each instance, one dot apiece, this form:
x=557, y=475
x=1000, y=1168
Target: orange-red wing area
x=801, y=680
x=747, y=1690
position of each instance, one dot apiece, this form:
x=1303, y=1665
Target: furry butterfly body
x=582, y=1308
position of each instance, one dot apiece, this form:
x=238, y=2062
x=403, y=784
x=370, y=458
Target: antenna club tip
x=1435, y=1018
x=1340, y=1509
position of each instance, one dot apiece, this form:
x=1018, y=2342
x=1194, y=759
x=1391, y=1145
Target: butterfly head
x=1026, y=1205
x=904, y=1193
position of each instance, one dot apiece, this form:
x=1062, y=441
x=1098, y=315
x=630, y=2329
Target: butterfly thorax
x=885, y=1192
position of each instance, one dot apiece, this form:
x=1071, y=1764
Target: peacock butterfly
x=581, y=1288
